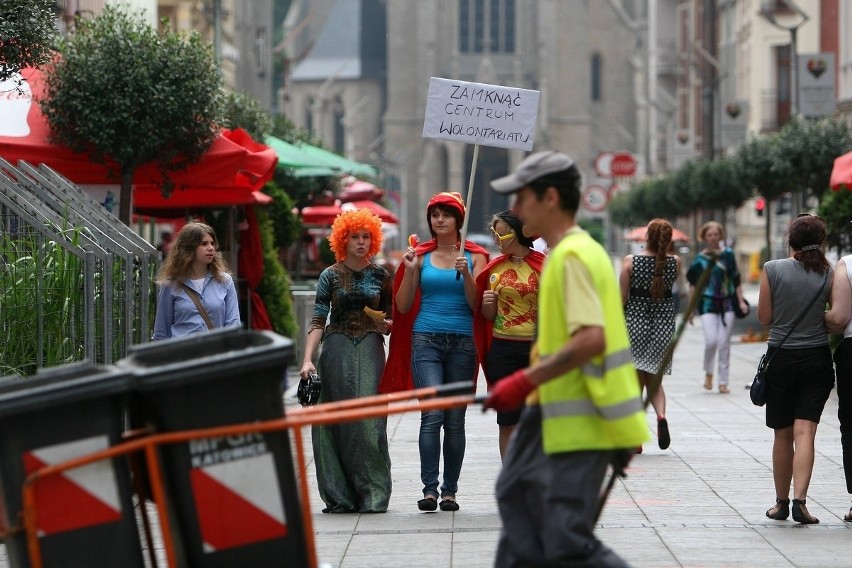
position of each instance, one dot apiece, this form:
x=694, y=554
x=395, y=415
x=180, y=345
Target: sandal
x=448, y=505
x=781, y=508
x=708, y=382
x=723, y=389
x=428, y=503
x=848, y=516
x=802, y=516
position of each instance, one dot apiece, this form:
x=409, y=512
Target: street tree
x=804, y=151
x=27, y=34
x=242, y=110
x=836, y=208
x=125, y=92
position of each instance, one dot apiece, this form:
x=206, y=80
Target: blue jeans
x=437, y=359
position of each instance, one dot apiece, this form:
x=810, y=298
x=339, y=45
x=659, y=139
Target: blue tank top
x=443, y=307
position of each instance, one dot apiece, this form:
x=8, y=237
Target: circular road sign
x=595, y=198
x=623, y=164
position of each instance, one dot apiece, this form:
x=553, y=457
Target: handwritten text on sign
x=477, y=113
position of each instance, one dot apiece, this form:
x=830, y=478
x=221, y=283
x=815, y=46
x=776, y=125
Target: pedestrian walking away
x=793, y=294
x=435, y=297
x=353, y=299
x=583, y=406
x=716, y=306
x=646, y=283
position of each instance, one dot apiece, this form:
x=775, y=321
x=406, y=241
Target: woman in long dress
x=646, y=282
x=352, y=459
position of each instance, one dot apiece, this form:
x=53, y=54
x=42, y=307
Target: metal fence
x=75, y=282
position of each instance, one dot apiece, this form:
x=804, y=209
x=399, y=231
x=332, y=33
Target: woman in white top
x=837, y=320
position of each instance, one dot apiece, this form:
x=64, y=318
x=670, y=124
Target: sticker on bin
x=79, y=497
x=236, y=492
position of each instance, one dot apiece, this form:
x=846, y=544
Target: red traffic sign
x=623, y=164
x=595, y=198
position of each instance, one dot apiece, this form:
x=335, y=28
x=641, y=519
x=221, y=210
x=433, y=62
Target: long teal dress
x=352, y=459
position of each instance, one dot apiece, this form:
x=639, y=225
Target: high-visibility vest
x=599, y=405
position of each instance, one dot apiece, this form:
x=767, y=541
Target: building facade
x=586, y=58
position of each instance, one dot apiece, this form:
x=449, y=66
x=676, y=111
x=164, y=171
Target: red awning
x=841, y=173
x=235, y=164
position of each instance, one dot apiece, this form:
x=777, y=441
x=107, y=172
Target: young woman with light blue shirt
x=195, y=263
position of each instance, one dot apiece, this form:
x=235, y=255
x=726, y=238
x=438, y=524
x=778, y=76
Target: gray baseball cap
x=533, y=167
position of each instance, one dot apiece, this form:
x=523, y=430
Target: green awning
x=344, y=164
x=302, y=163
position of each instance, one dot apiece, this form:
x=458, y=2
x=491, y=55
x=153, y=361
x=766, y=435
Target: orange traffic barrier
x=432, y=398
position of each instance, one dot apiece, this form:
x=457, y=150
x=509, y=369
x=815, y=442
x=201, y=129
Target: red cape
x=483, y=328
x=397, y=375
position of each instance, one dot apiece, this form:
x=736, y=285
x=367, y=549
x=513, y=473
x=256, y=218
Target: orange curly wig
x=350, y=221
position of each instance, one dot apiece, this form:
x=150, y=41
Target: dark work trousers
x=548, y=504
x=843, y=366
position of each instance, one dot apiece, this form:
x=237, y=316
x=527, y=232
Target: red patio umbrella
x=638, y=234
x=359, y=190
x=234, y=160
x=841, y=173
x=386, y=215
x=320, y=214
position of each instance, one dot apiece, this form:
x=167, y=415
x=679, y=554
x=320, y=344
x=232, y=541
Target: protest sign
x=478, y=113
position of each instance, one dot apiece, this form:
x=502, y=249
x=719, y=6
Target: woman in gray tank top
x=801, y=375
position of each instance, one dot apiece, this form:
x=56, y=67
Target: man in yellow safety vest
x=584, y=408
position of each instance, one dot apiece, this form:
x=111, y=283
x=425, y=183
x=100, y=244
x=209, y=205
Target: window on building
x=596, y=76
x=309, y=115
x=339, y=128
x=487, y=26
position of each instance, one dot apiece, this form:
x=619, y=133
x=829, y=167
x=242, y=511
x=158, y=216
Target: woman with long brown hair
x=646, y=282
x=194, y=272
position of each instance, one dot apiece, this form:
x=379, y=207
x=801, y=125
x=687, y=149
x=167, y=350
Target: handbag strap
x=193, y=295
x=799, y=319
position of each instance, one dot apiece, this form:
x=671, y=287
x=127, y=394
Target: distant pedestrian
x=196, y=291
x=165, y=243
x=647, y=280
x=584, y=409
x=352, y=459
x=435, y=297
x=505, y=325
x=801, y=375
x=716, y=305
x=837, y=320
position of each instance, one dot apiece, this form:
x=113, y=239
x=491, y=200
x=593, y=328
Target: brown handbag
x=196, y=299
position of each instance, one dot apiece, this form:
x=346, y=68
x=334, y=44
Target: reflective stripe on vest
x=611, y=361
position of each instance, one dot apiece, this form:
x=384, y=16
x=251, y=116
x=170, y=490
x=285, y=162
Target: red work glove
x=510, y=392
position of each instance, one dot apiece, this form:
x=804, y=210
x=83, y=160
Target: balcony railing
x=775, y=113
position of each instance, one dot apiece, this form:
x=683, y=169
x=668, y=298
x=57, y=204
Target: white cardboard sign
x=478, y=113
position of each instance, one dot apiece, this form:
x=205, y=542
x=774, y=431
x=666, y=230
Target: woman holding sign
x=505, y=323
x=435, y=297
x=352, y=460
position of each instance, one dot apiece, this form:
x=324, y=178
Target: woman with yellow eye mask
x=504, y=327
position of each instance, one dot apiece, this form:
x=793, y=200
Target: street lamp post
x=770, y=17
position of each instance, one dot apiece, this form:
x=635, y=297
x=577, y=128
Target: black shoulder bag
x=758, y=385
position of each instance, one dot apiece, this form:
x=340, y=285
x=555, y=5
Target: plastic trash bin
x=234, y=499
x=85, y=515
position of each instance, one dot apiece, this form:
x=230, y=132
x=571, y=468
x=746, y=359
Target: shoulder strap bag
x=196, y=299
x=757, y=392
